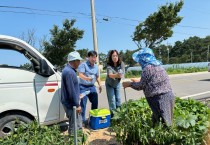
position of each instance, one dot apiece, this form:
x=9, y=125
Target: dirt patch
x=207, y=139
x=101, y=137
x=98, y=137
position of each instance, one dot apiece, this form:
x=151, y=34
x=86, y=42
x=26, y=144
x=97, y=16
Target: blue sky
x=116, y=33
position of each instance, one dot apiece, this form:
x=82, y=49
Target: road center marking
x=190, y=96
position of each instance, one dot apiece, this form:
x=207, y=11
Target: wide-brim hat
x=144, y=51
x=145, y=57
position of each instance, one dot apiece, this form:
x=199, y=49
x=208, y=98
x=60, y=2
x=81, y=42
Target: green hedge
x=185, y=70
x=190, y=124
x=135, y=73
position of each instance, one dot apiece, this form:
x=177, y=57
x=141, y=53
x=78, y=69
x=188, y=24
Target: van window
x=14, y=59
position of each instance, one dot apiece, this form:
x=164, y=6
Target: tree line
x=193, y=49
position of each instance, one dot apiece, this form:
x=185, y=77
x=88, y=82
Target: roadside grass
x=185, y=70
x=170, y=71
x=103, y=77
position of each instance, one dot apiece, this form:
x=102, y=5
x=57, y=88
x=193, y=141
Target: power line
x=200, y=11
x=43, y=14
x=27, y=8
x=102, y=21
x=107, y=18
x=65, y=12
x=21, y=12
x=184, y=33
x=127, y=19
x=193, y=27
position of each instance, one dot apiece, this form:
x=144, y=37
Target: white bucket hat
x=74, y=56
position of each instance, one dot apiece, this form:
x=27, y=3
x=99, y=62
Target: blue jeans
x=113, y=95
x=93, y=98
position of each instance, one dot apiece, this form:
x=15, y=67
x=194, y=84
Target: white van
x=29, y=86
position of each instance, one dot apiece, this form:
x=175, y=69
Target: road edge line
x=190, y=96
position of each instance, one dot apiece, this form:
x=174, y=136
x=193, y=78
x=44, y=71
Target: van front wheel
x=9, y=123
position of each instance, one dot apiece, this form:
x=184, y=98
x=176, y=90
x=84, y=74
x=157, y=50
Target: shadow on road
x=205, y=80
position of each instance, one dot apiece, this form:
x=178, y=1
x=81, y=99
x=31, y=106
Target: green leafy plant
x=132, y=73
x=133, y=124
x=185, y=70
x=34, y=134
x=174, y=70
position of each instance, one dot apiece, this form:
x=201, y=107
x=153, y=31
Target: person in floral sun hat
x=155, y=83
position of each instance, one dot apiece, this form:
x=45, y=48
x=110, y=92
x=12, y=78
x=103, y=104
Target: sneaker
x=85, y=123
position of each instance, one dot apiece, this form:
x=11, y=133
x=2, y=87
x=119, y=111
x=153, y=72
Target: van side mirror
x=44, y=69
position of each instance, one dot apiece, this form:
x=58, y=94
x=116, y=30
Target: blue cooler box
x=99, y=118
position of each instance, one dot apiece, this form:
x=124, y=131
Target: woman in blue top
x=115, y=71
x=156, y=86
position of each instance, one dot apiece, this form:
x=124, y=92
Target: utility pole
x=191, y=56
x=160, y=57
x=95, y=42
x=168, y=54
x=168, y=51
x=208, y=54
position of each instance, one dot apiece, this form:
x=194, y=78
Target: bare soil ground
x=98, y=137
x=207, y=139
x=101, y=137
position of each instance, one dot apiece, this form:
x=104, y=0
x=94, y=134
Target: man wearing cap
x=70, y=91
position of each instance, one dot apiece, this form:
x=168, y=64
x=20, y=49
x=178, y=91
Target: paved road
x=195, y=85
